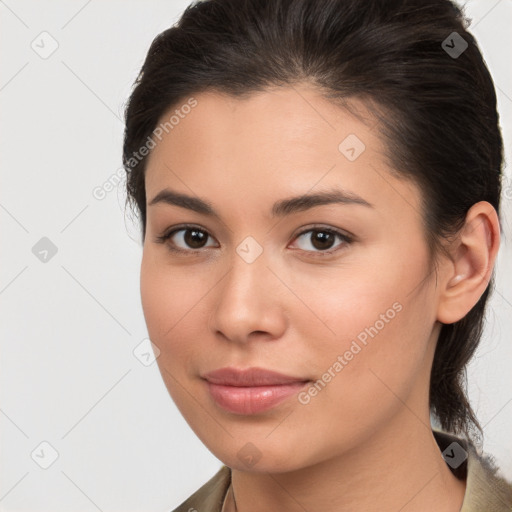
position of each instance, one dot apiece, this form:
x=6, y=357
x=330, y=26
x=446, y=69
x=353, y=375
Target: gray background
x=71, y=323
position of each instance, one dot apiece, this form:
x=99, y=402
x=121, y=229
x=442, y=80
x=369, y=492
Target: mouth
x=251, y=391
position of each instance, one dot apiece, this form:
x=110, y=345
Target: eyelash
x=194, y=252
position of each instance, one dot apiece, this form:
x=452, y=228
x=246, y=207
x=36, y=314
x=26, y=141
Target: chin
x=259, y=456
x=264, y=465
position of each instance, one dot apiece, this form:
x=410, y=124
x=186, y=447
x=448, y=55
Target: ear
x=468, y=272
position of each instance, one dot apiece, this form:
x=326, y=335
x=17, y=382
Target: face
x=333, y=293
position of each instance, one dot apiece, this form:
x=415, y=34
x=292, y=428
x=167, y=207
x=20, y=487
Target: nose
x=248, y=302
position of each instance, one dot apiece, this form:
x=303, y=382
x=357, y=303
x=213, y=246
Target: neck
x=398, y=469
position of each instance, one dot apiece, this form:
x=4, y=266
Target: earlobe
x=469, y=270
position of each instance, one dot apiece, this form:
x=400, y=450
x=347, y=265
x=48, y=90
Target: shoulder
x=210, y=496
x=486, y=489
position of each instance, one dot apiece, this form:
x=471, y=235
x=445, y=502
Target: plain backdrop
x=77, y=394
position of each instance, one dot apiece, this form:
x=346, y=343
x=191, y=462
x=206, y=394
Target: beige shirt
x=486, y=491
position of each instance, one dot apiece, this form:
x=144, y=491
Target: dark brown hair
x=429, y=88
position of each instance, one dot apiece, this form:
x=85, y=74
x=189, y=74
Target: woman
x=318, y=186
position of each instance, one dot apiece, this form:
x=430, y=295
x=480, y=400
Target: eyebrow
x=279, y=209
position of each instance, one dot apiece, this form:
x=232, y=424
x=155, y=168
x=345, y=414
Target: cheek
x=165, y=301
x=361, y=382
x=369, y=339
x=358, y=303
x=174, y=301
x=375, y=303
x=166, y=297
x=167, y=294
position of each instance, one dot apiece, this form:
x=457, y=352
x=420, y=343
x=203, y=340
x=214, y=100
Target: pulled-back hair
x=434, y=100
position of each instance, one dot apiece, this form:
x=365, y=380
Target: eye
x=322, y=239
x=191, y=239
x=186, y=238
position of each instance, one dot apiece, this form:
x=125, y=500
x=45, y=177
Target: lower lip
x=252, y=400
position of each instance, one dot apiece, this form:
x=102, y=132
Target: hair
x=435, y=111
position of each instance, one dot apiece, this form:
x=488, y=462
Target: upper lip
x=230, y=376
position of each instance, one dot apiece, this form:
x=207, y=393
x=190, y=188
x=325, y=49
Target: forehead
x=273, y=143
x=266, y=118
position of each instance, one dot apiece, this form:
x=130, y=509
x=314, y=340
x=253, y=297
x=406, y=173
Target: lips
x=252, y=390
x=249, y=377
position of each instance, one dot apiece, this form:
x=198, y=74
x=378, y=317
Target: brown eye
x=195, y=238
x=321, y=240
x=185, y=239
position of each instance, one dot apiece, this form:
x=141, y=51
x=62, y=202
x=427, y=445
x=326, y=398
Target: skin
x=365, y=438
